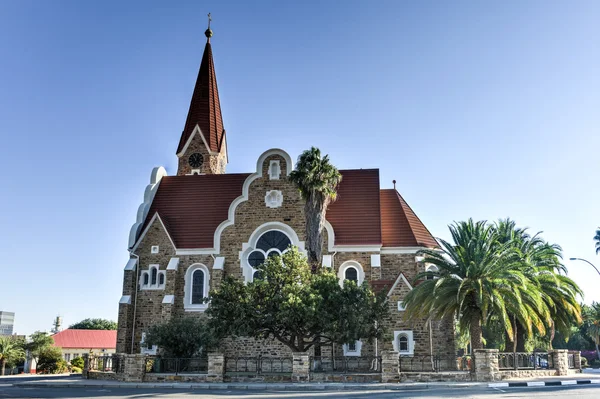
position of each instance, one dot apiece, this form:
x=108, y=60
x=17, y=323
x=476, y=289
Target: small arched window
x=154, y=274
x=258, y=275
x=432, y=269
x=351, y=274
x=197, y=287
x=146, y=278
x=402, y=343
x=161, y=279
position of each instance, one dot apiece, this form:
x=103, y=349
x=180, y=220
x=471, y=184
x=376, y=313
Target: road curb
x=542, y=383
x=253, y=387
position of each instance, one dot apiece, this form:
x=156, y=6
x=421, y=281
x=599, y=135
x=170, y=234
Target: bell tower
x=202, y=148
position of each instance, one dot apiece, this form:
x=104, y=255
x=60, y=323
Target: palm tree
x=597, y=239
x=540, y=262
x=475, y=281
x=592, y=319
x=10, y=351
x=317, y=180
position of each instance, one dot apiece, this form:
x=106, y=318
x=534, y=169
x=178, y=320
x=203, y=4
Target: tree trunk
x=520, y=337
x=597, y=349
x=3, y=367
x=552, y=333
x=476, y=332
x=514, y=337
x=314, y=214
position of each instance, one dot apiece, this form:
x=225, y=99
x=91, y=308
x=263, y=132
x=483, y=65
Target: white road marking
x=498, y=389
x=569, y=382
x=536, y=384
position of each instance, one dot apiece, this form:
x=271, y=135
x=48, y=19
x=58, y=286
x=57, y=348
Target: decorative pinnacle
x=208, y=33
x=394, y=181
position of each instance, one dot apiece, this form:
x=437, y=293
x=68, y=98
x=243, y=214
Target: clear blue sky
x=477, y=110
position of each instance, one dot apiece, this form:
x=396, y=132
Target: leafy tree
x=11, y=350
x=77, y=362
x=597, y=239
x=181, y=337
x=51, y=361
x=474, y=282
x=317, y=180
x=296, y=307
x=94, y=324
x=592, y=322
x=38, y=342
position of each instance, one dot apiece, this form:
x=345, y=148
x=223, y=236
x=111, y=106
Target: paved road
x=570, y=392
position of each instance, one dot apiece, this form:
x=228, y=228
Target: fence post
x=216, y=367
x=486, y=364
x=300, y=367
x=390, y=366
x=560, y=358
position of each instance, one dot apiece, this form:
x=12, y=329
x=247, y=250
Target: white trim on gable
x=400, y=278
x=156, y=216
x=187, y=143
x=155, y=177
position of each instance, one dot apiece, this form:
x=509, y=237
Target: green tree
x=297, y=307
x=317, y=179
x=592, y=322
x=38, y=342
x=94, y=324
x=77, y=362
x=474, y=282
x=11, y=350
x=597, y=239
x=181, y=337
x=540, y=262
x=51, y=361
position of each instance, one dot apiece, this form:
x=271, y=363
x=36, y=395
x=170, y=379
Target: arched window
x=146, y=278
x=351, y=274
x=402, y=343
x=197, y=287
x=352, y=271
x=258, y=275
x=433, y=269
x=271, y=243
x=154, y=273
x=161, y=279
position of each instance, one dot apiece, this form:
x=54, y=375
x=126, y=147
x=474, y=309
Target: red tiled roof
x=355, y=216
x=86, y=339
x=192, y=207
x=381, y=285
x=205, y=107
x=400, y=227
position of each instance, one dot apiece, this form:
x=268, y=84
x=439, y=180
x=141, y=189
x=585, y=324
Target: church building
x=199, y=224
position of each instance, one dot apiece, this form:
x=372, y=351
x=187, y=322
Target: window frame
x=348, y=264
x=188, y=306
x=410, y=342
x=356, y=352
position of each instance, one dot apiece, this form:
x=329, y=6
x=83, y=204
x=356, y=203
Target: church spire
x=205, y=107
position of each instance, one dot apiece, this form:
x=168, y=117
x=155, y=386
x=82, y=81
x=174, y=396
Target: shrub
x=76, y=370
x=77, y=362
x=584, y=362
x=51, y=361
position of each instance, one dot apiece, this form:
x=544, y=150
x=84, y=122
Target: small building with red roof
x=75, y=343
x=201, y=224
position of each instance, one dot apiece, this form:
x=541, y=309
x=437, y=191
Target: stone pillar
x=486, y=365
x=134, y=368
x=390, y=366
x=86, y=365
x=300, y=367
x=216, y=367
x=577, y=359
x=560, y=358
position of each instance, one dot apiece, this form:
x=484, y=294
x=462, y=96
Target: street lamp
x=587, y=261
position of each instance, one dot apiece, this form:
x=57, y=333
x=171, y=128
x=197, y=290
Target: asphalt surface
x=7, y=390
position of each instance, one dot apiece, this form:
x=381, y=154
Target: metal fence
x=345, y=364
x=435, y=363
x=524, y=361
x=571, y=357
x=258, y=365
x=193, y=365
x=105, y=363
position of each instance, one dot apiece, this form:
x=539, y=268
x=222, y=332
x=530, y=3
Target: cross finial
x=208, y=32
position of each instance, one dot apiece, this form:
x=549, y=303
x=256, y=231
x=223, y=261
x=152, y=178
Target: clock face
x=196, y=160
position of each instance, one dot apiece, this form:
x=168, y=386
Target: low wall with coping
x=442, y=376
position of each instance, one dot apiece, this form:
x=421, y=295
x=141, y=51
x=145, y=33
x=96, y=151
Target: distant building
x=7, y=321
x=75, y=343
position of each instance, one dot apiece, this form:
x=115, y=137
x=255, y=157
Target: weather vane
x=209, y=19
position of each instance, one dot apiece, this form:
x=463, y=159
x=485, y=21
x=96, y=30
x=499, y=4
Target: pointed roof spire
x=205, y=107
